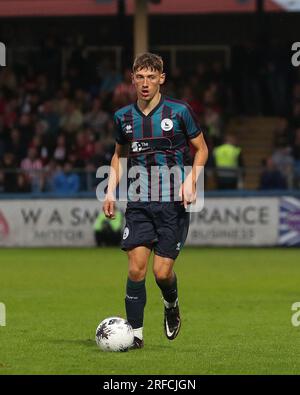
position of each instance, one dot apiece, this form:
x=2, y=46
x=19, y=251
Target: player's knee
x=162, y=275
x=136, y=273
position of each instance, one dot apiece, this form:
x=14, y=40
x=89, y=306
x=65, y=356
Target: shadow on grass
x=90, y=343
x=80, y=342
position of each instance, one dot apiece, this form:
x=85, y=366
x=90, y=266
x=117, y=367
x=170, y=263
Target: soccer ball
x=114, y=334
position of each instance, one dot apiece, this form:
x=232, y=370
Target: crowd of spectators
x=53, y=136
x=282, y=168
x=55, y=132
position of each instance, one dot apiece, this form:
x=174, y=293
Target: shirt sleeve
x=119, y=135
x=191, y=123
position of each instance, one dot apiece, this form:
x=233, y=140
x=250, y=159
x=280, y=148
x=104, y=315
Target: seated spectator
x=10, y=115
x=282, y=135
x=16, y=145
x=89, y=181
x=48, y=114
x=72, y=118
x=65, y=181
x=99, y=157
x=97, y=119
x=271, y=177
x=10, y=176
x=23, y=186
x=8, y=79
x=25, y=125
x=32, y=167
x=84, y=146
x=284, y=162
x=60, y=151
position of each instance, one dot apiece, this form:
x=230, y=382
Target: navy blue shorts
x=162, y=226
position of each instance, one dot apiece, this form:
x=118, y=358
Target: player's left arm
x=188, y=190
x=192, y=130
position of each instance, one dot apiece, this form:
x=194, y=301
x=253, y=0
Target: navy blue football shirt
x=158, y=140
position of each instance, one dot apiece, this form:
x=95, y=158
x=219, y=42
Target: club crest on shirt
x=166, y=124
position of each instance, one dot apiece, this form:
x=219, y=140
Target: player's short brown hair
x=148, y=60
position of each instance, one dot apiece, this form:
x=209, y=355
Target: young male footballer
x=154, y=133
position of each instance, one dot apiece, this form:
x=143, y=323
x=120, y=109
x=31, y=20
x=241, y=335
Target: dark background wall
x=193, y=29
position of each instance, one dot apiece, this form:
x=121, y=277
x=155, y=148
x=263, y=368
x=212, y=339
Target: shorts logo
x=166, y=124
x=178, y=246
x=126, y=233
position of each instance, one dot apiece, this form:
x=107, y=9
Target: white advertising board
x=69, y=222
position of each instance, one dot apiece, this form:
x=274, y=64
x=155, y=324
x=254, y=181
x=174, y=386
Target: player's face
x=147, y=83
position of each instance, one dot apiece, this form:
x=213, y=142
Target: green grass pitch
x=235, y=307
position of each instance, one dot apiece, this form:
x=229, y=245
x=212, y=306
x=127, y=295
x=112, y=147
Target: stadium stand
x=55, y=125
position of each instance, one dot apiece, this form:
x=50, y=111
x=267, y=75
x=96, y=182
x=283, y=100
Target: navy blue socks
x=135, y=302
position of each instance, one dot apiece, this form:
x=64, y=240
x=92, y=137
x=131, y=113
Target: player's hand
x=187, y=193
x=109, y=208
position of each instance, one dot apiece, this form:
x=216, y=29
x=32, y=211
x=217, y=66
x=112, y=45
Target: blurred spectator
x=9, y=168
x=23, y=186
x=60, y=150
x=284, y=162
x=194, y=102
x=32, y=167
x=49, y=172
x=84, y=147
x=228, y=163
x=124, y=92
x=99, y=158
x=212, y=121
x=271, y=177
x=110, y=79
x=282, y=134
x=50, y=117
x=72, y=118
x=65, y=181
x=108, y=233
x=296, y=146
x=97, y=119
x=295, y=119
x=26, y=128
x=16, y=146
x=89, y=180
x=10, y=114
x=8, y=79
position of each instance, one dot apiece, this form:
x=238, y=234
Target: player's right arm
x=121, y=151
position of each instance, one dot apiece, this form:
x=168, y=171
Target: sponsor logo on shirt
x=139, y=146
